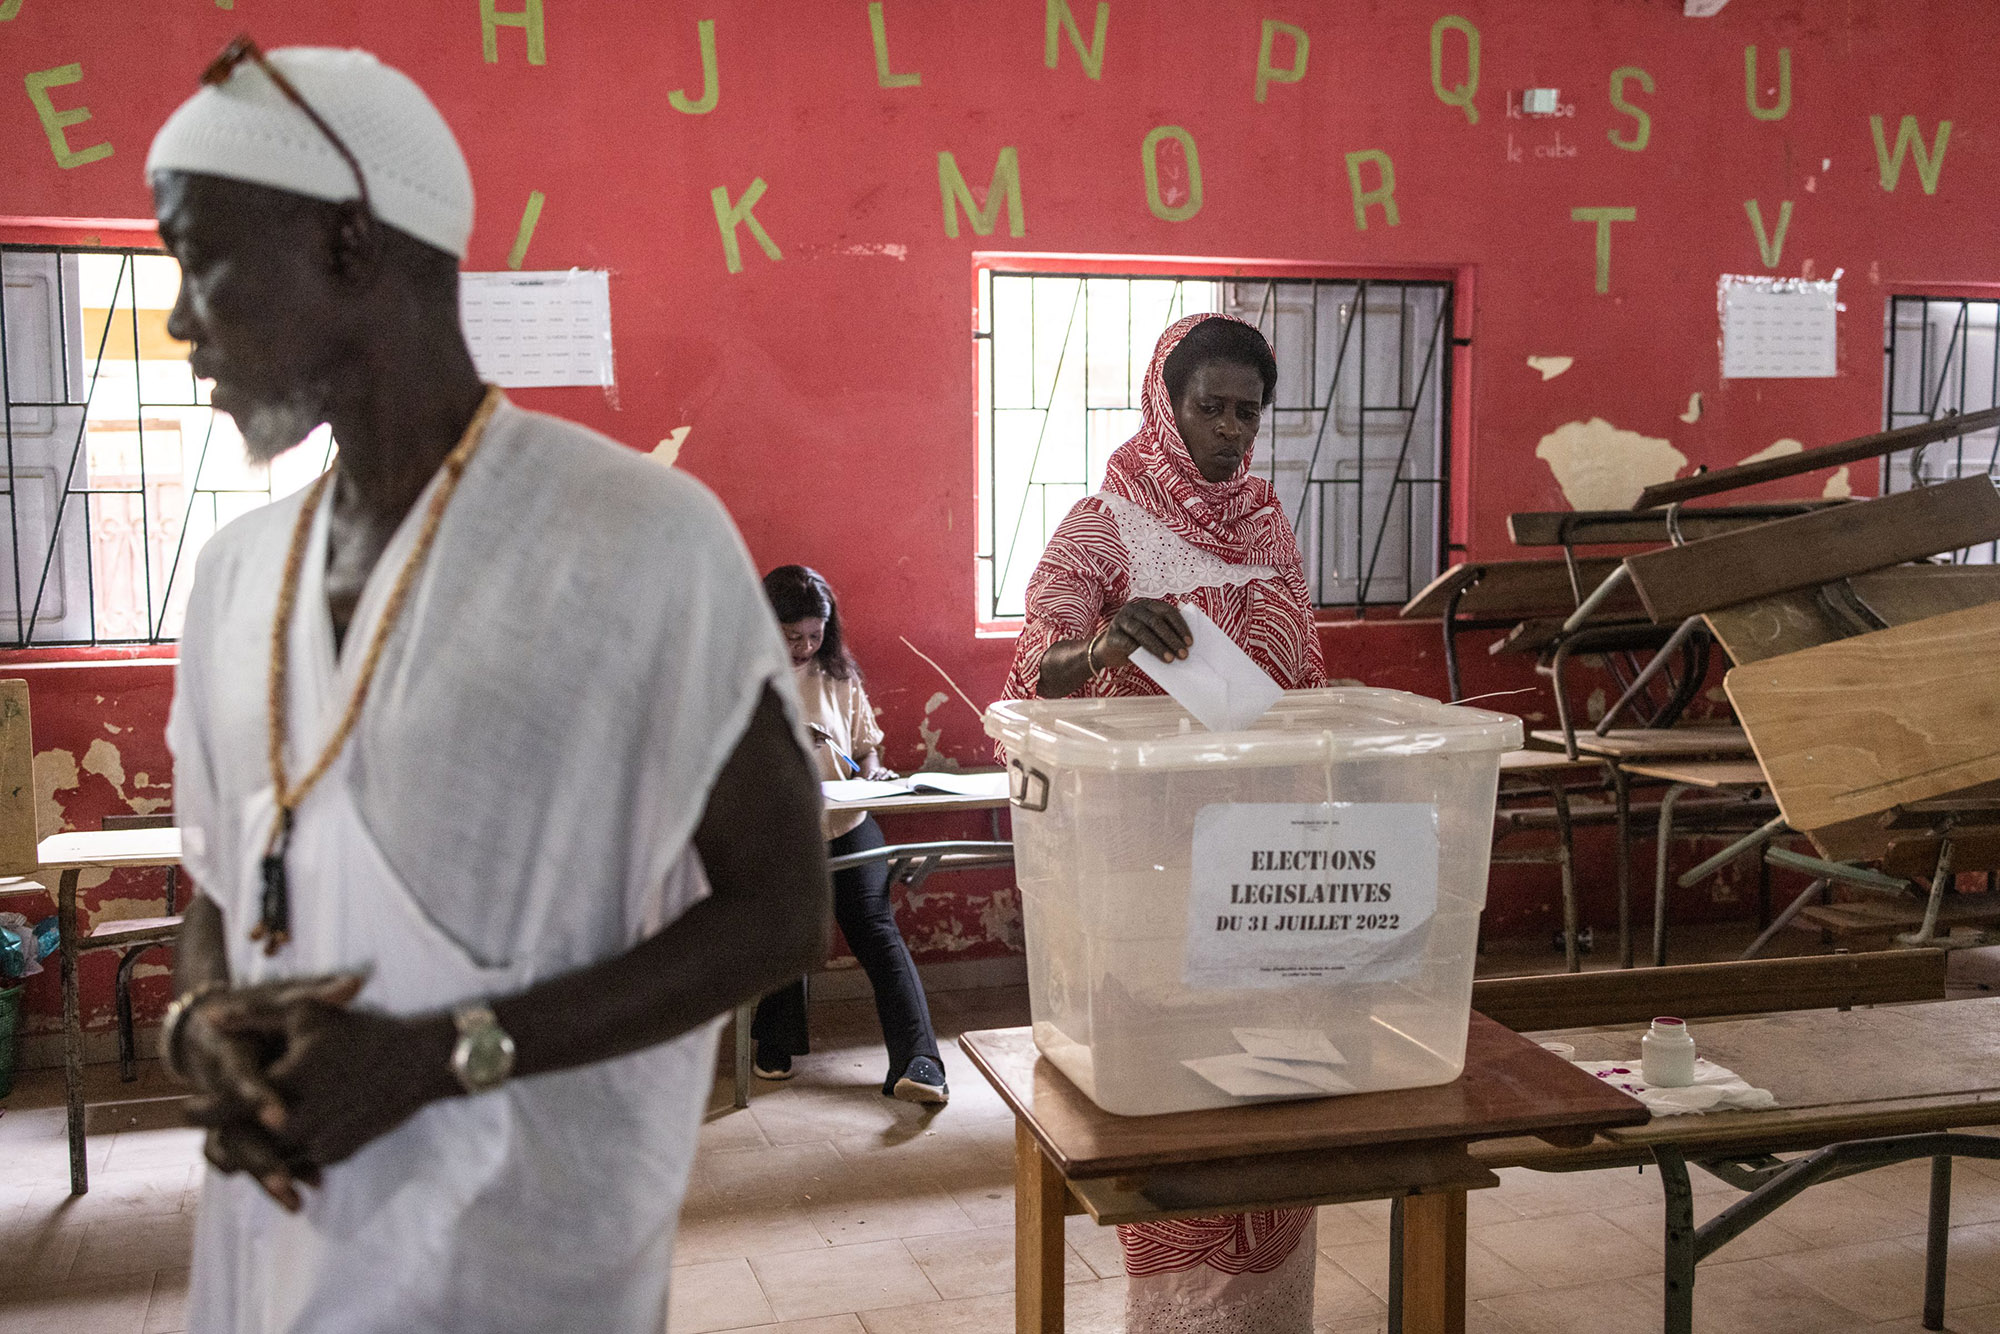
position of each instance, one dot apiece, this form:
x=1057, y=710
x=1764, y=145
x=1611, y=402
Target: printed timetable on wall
x=538, y=330
x=1777, y=328
x=1284, y=894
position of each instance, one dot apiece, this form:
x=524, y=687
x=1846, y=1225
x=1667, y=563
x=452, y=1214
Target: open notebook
x=940, y=784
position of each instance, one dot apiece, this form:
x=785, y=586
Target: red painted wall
x=830, y=394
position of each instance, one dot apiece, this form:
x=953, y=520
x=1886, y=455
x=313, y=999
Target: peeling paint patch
x=934, y=759
x=1596, y=705
x=1777, y=449
x=1551, y=367
x=669, y=449
x=113, y=728
x=1600, y=467
x=887, y=250
x=103, y=758
x=1840, y=486
x=123, y=910
x=1693, y=413
x=55, y=771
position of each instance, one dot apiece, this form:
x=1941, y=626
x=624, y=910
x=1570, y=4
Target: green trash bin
x=10, y=1022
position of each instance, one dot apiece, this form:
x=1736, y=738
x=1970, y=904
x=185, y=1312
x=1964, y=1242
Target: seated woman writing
x=1181, y=521
x=846, y=744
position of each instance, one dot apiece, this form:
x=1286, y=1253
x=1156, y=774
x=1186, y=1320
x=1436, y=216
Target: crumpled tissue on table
x=1275, y=1063
x=1715, y=1089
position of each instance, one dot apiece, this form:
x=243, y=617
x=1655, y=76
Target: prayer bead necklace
x=274, y=911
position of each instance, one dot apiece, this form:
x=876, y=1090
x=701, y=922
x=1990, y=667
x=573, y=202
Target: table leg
x=1432, y=1293
x=1621, y=787
x=79, y=1167
x=740, y=1041
x=1937, y=1245
x=1680, y=1252
x=1662, y=850
x=1039, y=1196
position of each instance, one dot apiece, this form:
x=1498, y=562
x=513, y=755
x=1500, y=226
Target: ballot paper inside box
x=1286, y=910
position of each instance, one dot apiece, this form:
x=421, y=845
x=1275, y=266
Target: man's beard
x=270, y=428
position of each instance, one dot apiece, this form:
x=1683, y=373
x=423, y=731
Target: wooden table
x=71, y=855
x=923, y=857
x=1070, y=1156
x=1838, y=1076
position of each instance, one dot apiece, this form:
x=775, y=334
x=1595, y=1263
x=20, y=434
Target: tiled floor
x=827, y=1209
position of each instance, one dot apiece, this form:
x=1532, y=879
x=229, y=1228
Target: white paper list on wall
x=1777, y=328
x=536, y=330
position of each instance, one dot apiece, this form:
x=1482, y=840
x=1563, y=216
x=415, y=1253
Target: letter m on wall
x=1004, y=188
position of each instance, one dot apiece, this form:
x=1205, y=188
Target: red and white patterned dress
x=1159, y=529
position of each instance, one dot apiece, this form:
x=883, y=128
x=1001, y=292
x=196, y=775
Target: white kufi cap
x=248, y=130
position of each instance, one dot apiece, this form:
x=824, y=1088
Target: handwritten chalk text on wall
x=1004, y=188
x=57, y=123
x=711, y=79
x=728, y=217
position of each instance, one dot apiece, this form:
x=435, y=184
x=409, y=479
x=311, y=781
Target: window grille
x=1942, y=357
x=117, y=470
x=1354, y=441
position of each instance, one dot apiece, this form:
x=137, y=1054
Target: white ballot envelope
x=1217, y=682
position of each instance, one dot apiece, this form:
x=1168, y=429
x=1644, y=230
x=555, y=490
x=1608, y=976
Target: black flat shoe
x=922, y=1082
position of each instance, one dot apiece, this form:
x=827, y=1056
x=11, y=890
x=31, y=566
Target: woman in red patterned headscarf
x=1182, y=522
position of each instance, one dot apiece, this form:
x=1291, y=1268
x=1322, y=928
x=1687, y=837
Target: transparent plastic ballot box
x=1222, y=918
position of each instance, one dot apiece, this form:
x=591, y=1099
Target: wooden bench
x=1711, y=990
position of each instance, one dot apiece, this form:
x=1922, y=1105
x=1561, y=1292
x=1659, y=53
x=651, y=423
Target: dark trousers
x=862, y=908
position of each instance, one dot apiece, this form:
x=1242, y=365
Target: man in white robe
x=454, y=1081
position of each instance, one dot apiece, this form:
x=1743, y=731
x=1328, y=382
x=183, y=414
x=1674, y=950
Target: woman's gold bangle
x=1090, y=653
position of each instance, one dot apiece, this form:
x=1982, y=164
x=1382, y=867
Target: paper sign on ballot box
x=1305, y=894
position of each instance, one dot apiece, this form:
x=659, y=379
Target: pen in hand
x=825, y=738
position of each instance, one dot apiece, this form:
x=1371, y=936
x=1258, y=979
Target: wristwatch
x=484, y=1056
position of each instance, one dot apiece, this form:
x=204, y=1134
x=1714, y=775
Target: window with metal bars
x=116, y=469
x=1943, y=357
x=1354, y=440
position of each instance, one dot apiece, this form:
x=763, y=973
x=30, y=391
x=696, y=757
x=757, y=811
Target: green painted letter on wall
x=728, y=217
x=1930, y=161
x=1059, y=20
x=879, y=29
x=1149, y=154
x=1384, y=192
x=1005, y=187
x=1643, y=132
x=56, y=122
x=8, y=9
x=530, y=215
x=529, y=19
x=1603, y=217
x=1458, y=95
x=1777, y=110
x=1267, y=73
x=711, y=81
x=1771, y=247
